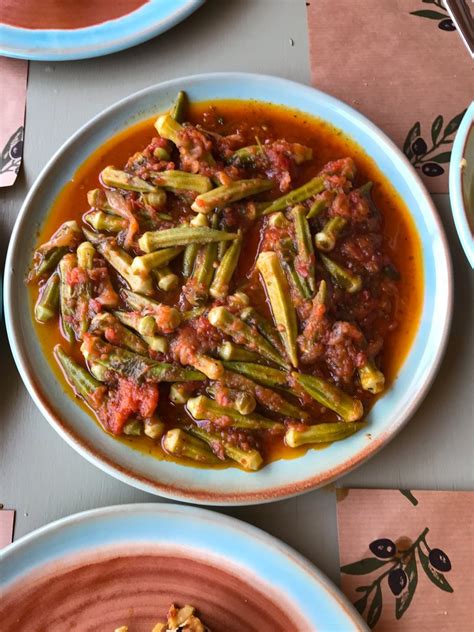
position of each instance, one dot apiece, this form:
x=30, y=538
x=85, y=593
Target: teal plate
x=124, y=565
x=110, y=36
x=282, y=478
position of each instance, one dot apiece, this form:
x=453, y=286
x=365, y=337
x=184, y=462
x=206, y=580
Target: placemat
x=13, y=78
x=407, y=558
x=7, y=522
x=402, y=64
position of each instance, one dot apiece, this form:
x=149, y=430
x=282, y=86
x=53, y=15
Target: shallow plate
x=282, y=478
x=71, y=31
x=142, y=558
x=461, y=183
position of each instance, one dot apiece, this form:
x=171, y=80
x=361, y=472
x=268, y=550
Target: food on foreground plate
x=183, y=619
x=216, y=305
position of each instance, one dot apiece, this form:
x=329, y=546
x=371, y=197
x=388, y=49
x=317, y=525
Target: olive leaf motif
x=401, y=573
x=367, y=565
x=407, y=493
x=403, y=602
x=423, y=157
x=444, y=21
x=433, y=575
x=375, y=609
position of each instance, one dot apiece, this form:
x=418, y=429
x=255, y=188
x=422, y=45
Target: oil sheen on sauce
x=328, y=143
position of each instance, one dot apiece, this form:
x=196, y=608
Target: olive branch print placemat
x=13, y=78
x=406, y=558
x=402, y=64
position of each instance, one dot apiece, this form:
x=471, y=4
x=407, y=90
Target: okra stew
x=231, y=283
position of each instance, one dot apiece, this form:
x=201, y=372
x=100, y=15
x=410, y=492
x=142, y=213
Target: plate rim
x=113, y=44
x=207, y=497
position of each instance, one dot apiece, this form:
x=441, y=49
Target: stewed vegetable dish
x=228, y=283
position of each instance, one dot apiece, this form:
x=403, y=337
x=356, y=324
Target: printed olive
x=446, y=25
x=383, y=548
x=419, y=147
x=397, y=580
x=439, y=560
x=16, y=150
x=431, y=169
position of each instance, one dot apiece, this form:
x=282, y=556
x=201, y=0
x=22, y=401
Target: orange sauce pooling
x=328, y=143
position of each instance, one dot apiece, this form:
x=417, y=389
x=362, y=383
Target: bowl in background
x=461, y=183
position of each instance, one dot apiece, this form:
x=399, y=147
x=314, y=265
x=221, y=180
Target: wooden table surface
x=40, y=475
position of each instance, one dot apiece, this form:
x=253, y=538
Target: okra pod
x=179, y=393
x=278, y=293
x=109, y=326
x=178, y=111
x=226, y=194
x=371, y=378
x=153, y=428
x=182, y=236
x=117, y=179
x=191, y=250
x=320, y=204
x=203, y=408
x=166, y=279
x=81, y=381
x=248, y=459
x=146, y=263
x=47, y=256
x=85, y=255
x=182, y=444
x=321, y=433
x=265, y=396
x=274, y=378
x=48, y=301
x=100, y=221
x=326, y=239
x=167, y=127
x=287, y=256
x=241, y=333
x=330, y=396
x=197, y=287
x=230, y=351
x=181, y=181
x=157, y=200
x=122, y=262
x=303, y=193
x=346, y=279
x=137, y=367
x=166, y=318
x=223, y=275
x=243, y=402
x=132, y=428
x=67, y=300
x=304, y=246
x=264, y=326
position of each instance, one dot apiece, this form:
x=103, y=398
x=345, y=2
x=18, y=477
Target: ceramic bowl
x=114, y=27
x=282, y=478
x=142, y=558
x=461, y=183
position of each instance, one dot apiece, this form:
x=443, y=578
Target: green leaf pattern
x=425, y=158
x=407, y=560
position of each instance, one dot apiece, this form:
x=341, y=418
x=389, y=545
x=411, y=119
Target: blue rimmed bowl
x=141, y=558
x=102, y=38
x=282, y=478
x=461, y=183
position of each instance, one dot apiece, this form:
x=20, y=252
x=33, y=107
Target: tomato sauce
x=400, y=235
